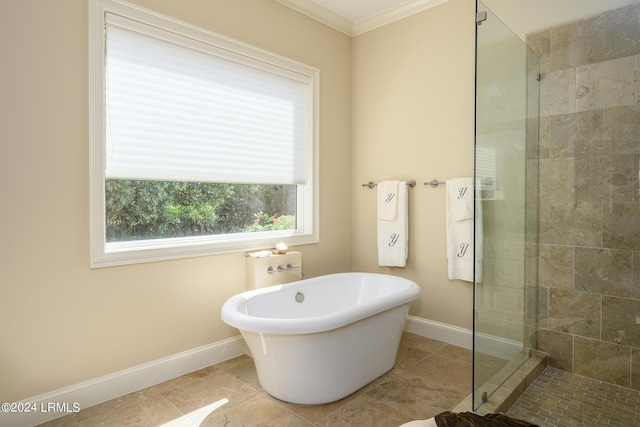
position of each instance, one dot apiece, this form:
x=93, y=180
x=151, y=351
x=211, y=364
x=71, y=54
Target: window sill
x=123, y=253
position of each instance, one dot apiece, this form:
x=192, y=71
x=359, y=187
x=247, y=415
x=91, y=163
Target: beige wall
x=63, y=323
x=413, y=117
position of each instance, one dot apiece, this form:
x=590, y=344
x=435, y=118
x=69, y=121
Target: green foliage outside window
x=140, y=210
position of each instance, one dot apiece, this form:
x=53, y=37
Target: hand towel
x=387, y=200
x=393, y=236
x=479, y=232
x=460, y=228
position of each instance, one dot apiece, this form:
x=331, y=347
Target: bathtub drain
x=299, y=297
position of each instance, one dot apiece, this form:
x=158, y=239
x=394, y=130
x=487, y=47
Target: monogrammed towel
x=393, y=233
x=460, y=230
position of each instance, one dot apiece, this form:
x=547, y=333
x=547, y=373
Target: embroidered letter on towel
x=393, y=224
x=460, y=229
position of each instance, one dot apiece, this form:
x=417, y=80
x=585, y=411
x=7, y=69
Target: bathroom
x=397, y=102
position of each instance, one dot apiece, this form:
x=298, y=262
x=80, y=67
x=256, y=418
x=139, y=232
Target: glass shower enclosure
x=506, y=144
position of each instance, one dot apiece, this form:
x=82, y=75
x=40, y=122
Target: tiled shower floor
x=558, y=399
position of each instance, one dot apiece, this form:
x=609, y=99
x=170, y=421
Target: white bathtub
x=343, y=335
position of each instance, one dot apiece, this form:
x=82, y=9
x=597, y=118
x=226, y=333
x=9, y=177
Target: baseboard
x=488, y=344
x=444, y=332
x=498, y=346
x=59, y=403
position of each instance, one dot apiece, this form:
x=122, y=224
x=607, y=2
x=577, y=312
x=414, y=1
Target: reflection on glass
x=506, y=171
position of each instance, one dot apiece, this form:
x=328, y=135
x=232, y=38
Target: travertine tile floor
x=429, y=377
x=558, y=399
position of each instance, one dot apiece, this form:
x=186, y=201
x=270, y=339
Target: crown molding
x=392, y=15
x=352, y=29
x=320, y=14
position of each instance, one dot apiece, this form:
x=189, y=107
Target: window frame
x=103, y=254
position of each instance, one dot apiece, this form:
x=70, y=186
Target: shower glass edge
x=506, y=220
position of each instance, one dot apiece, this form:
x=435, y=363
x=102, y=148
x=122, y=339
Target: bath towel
x=393, y=236
x=460, y=230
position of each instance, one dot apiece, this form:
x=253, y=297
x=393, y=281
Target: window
x=199, y=144
x=489, y=165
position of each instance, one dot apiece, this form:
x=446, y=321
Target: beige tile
x=184, y=380
x=558, y=92
x=622, y=32
x=457, y=353
x=622, y=128
x=560, y=143
x=575, y=312
x=365, y=411
x=557, y=178
x=587, y=134
x=146, y=407
x=605, y=84
x=619, y=317
x=593, y=179
x=486, y=367
x=540, y=44
x=409, y=356
x=602, y=361
x=66, y=421
x=604, y=271
x=555, y=266
x=416, y=395
x=577, y=43
x=635, y=369
x=559, y=346
x=624, y=184
x=314, y=413
x=637, y=78
x=235, y=362
x=444, y=371
x=257, y=411
x=426, y=344
x=243, y=369
x=207, y=390
x=571, y=223
x=621, y=226
x=558, y=398
x=543, y=307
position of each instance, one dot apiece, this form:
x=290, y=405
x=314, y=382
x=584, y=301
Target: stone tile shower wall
x=589, y=218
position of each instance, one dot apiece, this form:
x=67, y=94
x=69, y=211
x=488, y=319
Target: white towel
x=393, y=234
x=460, y=230
x=387, y=200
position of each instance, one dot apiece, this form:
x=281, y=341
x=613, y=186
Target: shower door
x=506, y=209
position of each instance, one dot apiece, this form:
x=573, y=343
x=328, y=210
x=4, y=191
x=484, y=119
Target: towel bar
x=372, y=184
x=434, y=182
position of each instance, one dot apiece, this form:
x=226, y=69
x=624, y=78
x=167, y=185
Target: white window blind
x=487, y=167
x=181, y=110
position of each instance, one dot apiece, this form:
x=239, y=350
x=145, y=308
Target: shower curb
x=511, y=389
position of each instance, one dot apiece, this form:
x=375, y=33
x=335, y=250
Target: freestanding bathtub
x=318, y=340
